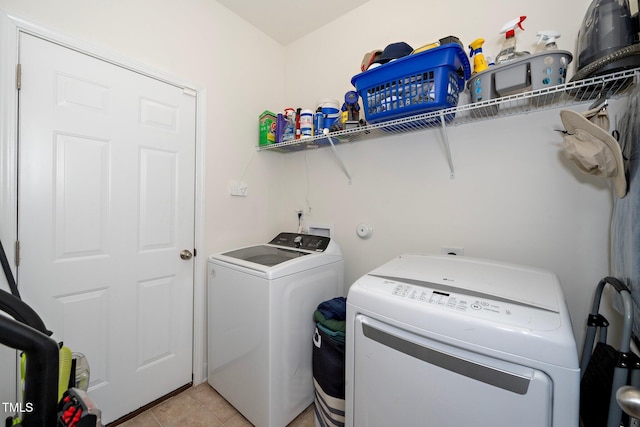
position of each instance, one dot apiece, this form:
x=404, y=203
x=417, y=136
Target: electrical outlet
x=452, y=250
x=238, y=188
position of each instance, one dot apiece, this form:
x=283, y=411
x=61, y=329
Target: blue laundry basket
x=415, y=84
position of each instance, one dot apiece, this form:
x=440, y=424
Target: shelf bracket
x=339, y=159
x=447, y=147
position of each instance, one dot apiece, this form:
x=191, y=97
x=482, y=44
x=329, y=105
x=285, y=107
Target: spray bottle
x=475, y=52
x=549, y=38
x=508, y=52
x=290, y=126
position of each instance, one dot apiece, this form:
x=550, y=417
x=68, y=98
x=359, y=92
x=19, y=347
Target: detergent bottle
x=508, y=52
x=549, y=38
x=475, y=52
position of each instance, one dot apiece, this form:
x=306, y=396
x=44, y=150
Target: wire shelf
x=609, y=86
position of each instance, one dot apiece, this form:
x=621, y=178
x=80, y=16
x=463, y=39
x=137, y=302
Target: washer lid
x=285, y=254
x=282, y=248
x=265, y=254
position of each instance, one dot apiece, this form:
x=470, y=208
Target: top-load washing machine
x=260, y=327
x=451, y=341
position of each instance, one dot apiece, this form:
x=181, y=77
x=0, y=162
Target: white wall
x=514, y=196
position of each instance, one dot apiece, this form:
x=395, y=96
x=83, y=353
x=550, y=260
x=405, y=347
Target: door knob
x=186, y=254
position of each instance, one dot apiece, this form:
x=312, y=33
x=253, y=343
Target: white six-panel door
x=106, y=205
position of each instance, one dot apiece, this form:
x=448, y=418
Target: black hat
x=394, y=51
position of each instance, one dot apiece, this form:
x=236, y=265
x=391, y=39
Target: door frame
x=9, y=155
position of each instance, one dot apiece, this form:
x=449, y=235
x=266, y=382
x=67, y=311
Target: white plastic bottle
x=508, y=52
x=549, y=38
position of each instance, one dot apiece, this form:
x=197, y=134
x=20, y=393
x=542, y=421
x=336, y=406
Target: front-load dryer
x=261, y=301
x=452, y=341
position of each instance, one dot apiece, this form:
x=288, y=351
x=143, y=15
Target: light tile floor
x=202, y=406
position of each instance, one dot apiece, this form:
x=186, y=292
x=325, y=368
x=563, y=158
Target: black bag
x=596, y=384
x=328, y=379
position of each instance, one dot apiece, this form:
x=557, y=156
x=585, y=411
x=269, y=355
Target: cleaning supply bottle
x=290, y=127
x=475, y=52
x=298, y=133
x=549, y=38
x=508, y=52
x=281, y=124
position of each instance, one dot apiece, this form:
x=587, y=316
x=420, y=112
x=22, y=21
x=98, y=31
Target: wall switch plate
x=238, y=188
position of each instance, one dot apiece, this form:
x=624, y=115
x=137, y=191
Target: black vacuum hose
x=20, y=311
x=619, y=54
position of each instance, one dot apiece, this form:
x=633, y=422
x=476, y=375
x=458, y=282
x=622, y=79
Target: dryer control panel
x=476, y=305
x=448, y=300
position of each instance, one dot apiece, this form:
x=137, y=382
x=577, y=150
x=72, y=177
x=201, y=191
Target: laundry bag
x=328, y=377
x=596, y=384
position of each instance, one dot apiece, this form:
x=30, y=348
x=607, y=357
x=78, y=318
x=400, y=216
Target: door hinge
x=17, y=253
x=19, y=76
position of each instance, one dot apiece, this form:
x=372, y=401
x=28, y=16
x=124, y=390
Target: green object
x=336, y=336
x=23, y=370
x=331, y=324
x=267, y=128
x=64, y=371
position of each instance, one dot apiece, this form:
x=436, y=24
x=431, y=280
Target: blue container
x=318, y=123
x=331, y=115
x=281, y=123
x=415, y=84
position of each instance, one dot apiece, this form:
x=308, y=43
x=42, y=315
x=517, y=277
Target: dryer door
x=403, y=379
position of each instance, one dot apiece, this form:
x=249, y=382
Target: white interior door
x=106, y=205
